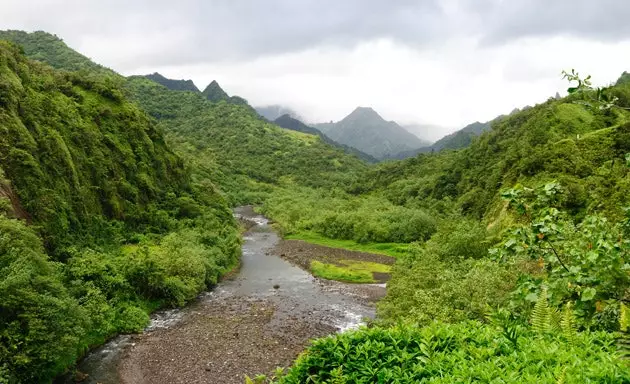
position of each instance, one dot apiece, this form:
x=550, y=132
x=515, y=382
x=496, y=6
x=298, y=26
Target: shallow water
x=296, y=292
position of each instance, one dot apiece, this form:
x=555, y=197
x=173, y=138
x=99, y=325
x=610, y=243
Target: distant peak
x=364, y=113
x=364, y=110
x=173, y=85
x=214, y=92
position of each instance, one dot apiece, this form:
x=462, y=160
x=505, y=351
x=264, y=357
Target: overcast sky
x=440, y=62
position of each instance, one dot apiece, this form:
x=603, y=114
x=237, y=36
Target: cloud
x=602, y=20
x=442, y=62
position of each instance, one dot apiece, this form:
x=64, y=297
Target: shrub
x=460, y=353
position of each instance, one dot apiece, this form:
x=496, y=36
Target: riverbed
x=259, y=319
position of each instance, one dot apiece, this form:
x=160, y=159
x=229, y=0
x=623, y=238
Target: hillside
x=173, y=85
x=245, y=154
x=98, y=218
x=214, y=93
x=511, y=253
x=367, y=131
x=561, y=163
x=288, y=122
x=50, y=49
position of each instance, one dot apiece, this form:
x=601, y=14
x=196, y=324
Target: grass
x=306, y=138
x=388, y=249
x=350, y=271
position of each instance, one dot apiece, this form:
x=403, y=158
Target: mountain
x=272, y=112
x=174, y=85
x=464, y=136
x=288, y=122
x=100, y=219
x=623, y=79
x=367, y=131
x=50, y=49
x=456, y=140
x=231, y=144
x=214, y=92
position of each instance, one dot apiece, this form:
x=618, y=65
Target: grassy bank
x=387, y=249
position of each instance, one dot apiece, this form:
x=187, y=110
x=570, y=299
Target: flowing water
x=263, y=275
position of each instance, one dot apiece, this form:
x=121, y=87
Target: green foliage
x=584, y=263
x=425, y=288
x=465, y=352
x=337, y=215
x=568, y=323
x=544, y=317
x=50, y=49
x=41, y=324
x=388, y=249
x=231, y=145
x=349, y=271
x=91, y=172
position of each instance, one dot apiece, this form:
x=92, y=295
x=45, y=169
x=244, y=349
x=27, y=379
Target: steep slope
x=456, y=140
x=245, y=154
x=288, y=122
x=174, y=85
x=555, y=140
x=214, y=93
x=87, y=181
x=367, y=131
x=463, y=137
x=50, y=49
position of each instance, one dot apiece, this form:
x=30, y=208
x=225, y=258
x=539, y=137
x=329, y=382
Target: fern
x=542, y=314
x=562, y=379
x=568, y=323
x=623, y=341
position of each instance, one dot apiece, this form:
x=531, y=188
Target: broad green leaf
x=588, y=294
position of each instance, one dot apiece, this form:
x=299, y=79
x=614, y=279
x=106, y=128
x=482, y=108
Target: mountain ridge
x=174, y=85
x=365, y=130
x=288, y=122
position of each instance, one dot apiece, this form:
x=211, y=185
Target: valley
x=259, y=318
x=151, y=232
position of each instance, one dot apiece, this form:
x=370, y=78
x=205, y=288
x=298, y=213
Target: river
x=259, y=319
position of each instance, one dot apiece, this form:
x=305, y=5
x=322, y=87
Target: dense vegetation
x=174, y=85
x=467, y=352
x=530, y=236
x=247, y=156
x=47, y=48
x=117, y=226
x=512, y=253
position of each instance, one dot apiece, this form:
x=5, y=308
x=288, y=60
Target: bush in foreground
x=459, y=353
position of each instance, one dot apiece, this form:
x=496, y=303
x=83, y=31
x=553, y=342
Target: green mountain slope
x=50, y=49
x=100, y=221
x=367, y=131
x=556, y=139
x=288, y=122
x=174, y=85
x=246, y=154
x=214, y=92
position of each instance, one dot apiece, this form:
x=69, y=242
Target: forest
x=512, y=254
